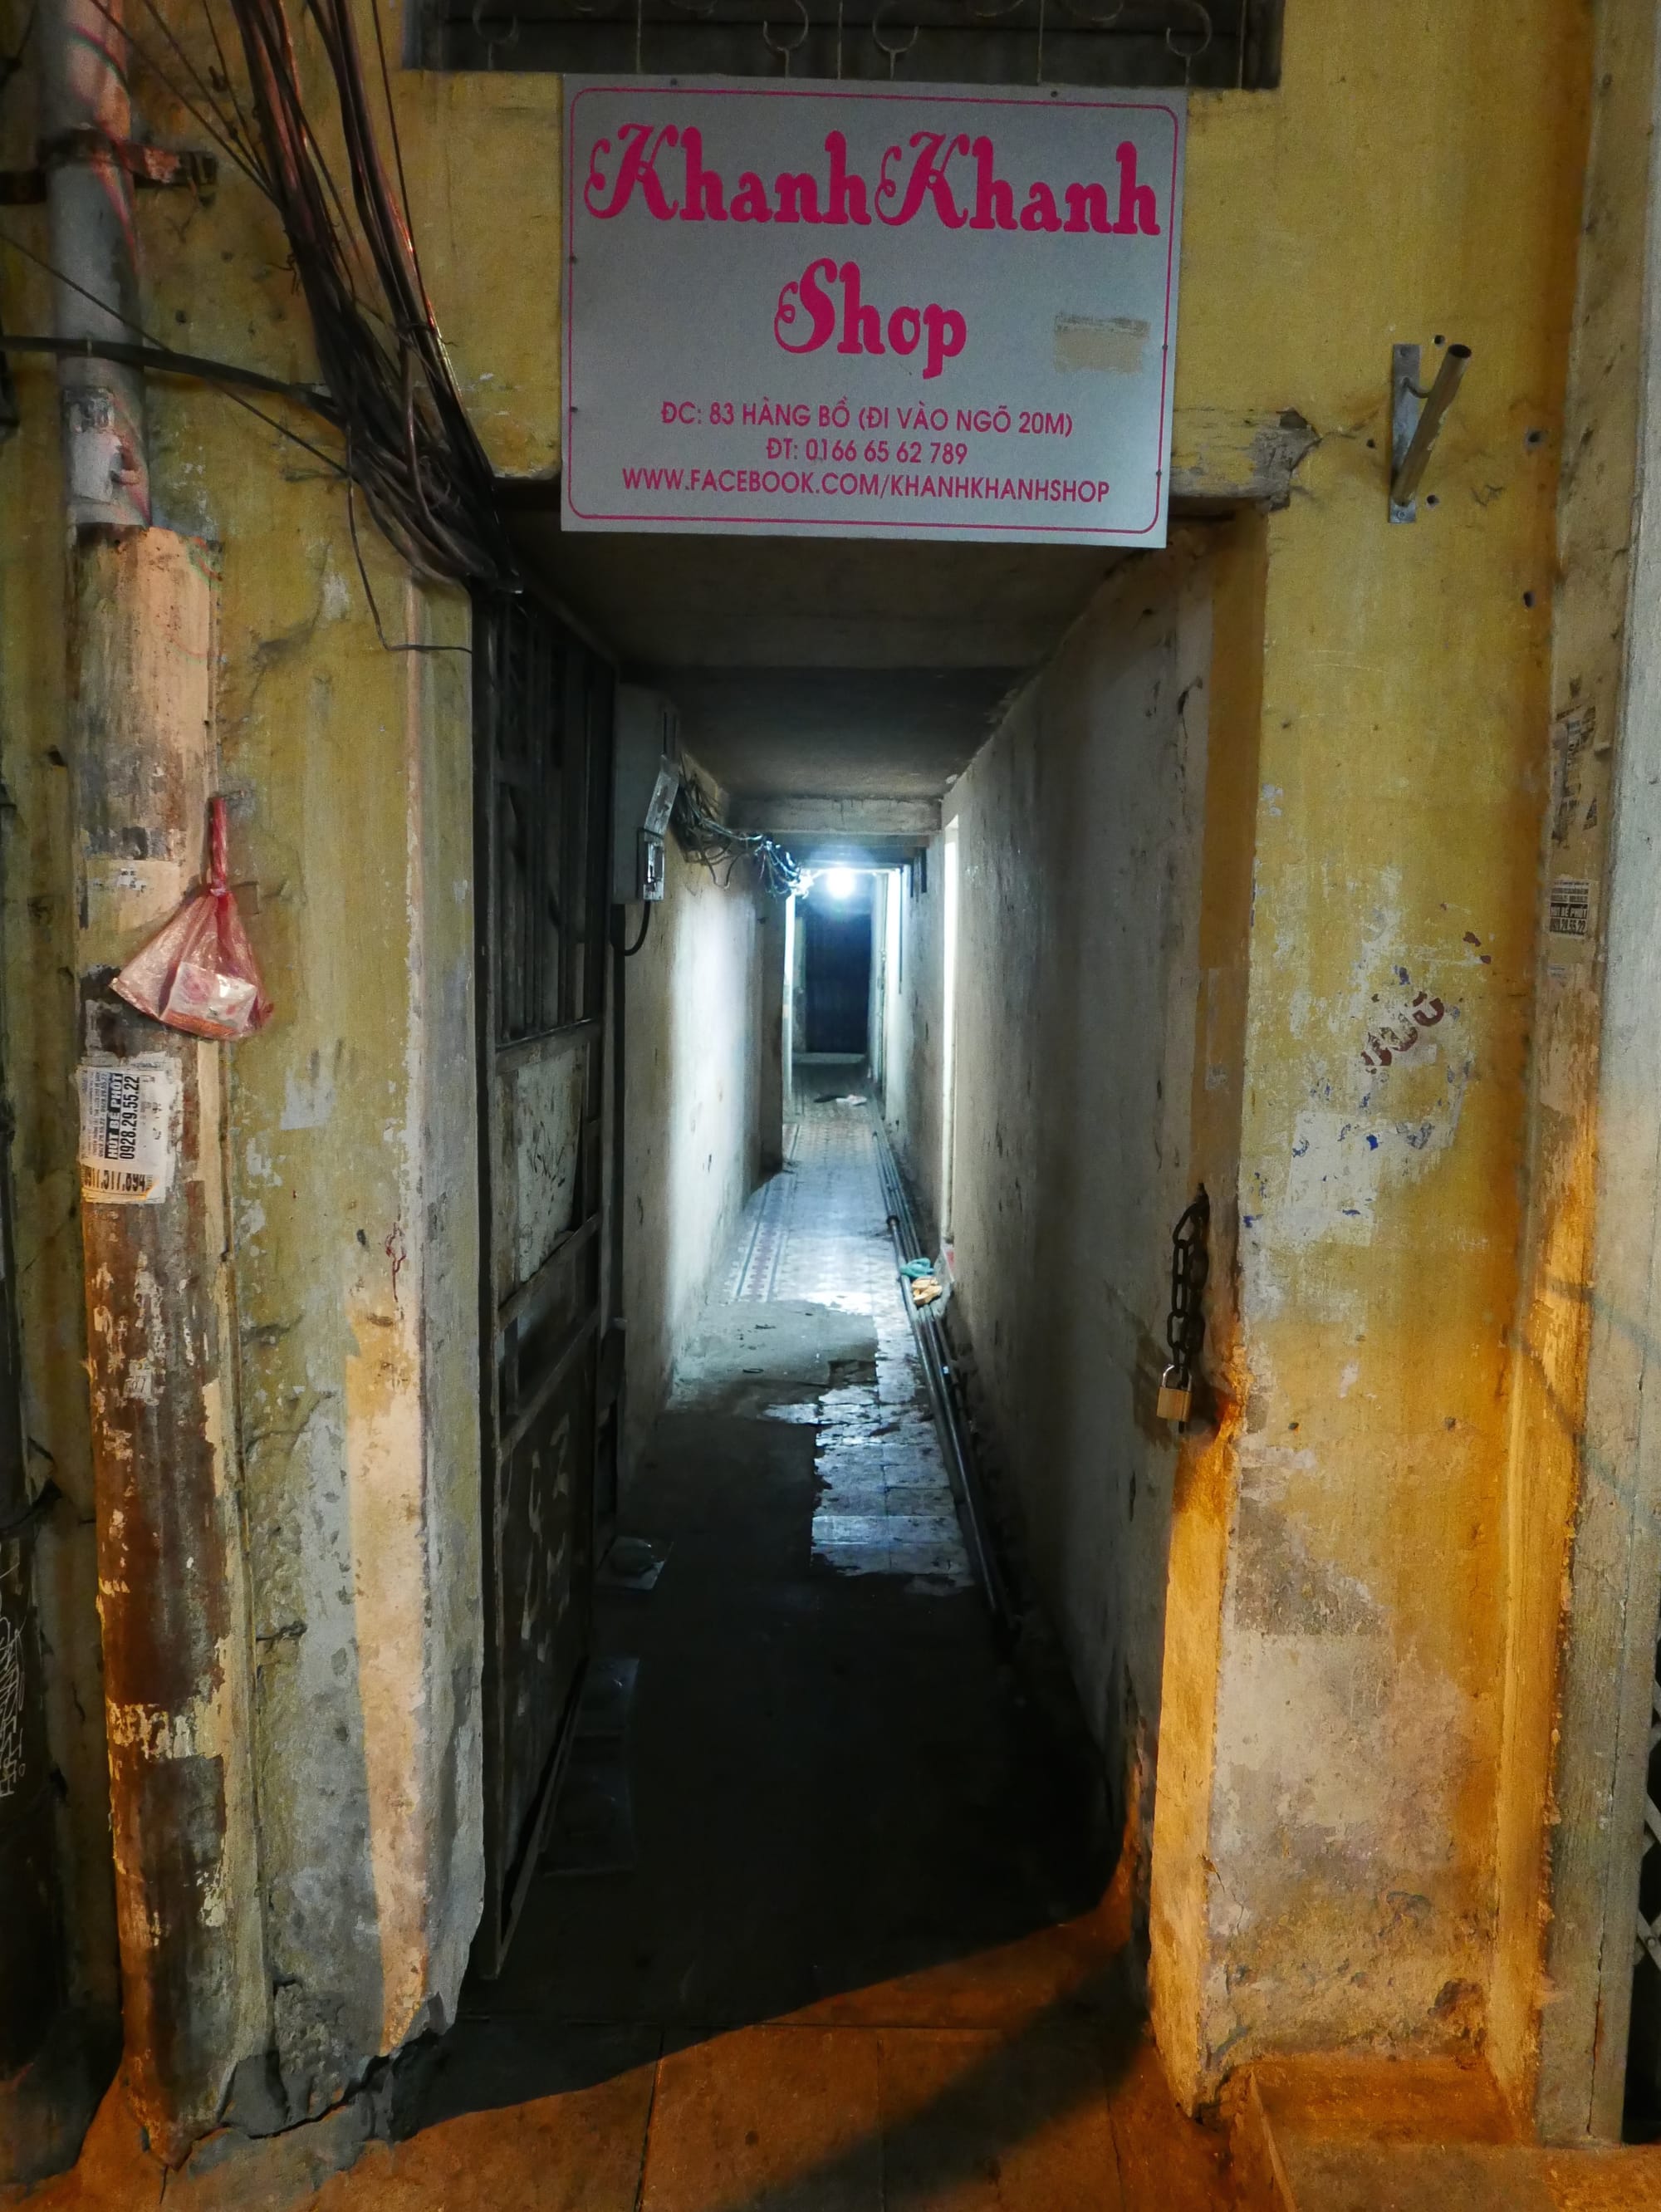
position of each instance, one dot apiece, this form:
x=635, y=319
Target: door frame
x=1608, y=1656
x=510, y=1863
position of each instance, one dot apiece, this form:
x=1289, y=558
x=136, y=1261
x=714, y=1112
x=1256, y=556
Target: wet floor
x=819, y=1234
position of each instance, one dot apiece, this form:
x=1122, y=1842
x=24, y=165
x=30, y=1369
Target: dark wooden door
x=29, y=1963
x=543, y=708
x=837, y=961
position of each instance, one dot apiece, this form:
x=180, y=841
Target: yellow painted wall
x=1418, y=171
x=1332, y=1817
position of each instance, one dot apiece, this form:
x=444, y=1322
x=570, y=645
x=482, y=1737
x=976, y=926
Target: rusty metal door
x=542, y=710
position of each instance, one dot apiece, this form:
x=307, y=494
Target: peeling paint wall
x=348, y=1127
x=355, y=1168
x=692, y=1073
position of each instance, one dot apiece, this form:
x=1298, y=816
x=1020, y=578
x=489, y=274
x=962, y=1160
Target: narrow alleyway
x=821, y=1926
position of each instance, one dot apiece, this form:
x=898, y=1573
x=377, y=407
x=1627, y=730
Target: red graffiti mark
x=1383, y=1043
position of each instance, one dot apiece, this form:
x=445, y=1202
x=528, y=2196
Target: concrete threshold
x=1365, y=2135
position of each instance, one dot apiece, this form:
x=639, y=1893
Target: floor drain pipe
x=949, y=1416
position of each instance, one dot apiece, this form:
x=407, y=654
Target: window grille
x=1137, y=44
x=540, y=709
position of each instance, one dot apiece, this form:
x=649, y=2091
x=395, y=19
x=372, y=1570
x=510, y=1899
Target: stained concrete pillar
x=172, y=1596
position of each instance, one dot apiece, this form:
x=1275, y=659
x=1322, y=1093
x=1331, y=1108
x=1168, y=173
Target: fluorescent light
x=838, y=882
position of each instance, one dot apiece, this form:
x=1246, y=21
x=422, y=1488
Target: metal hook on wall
x=1416, y=417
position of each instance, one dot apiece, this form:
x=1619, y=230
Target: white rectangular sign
x=129, y=1113
x=847, y=311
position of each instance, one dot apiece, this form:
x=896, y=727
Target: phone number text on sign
x=998, y=321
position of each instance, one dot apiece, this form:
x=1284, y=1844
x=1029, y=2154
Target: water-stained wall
x=692, y=1085
x=1087, y=912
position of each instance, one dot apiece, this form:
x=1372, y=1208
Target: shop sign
x=847, y=311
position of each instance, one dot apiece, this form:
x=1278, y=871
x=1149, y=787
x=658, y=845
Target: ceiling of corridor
x=822, y=667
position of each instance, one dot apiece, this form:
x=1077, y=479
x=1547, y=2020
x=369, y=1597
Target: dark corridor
x=836, y=964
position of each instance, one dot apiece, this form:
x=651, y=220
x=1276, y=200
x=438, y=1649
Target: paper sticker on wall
x=128, y=1133
x=1570, y=907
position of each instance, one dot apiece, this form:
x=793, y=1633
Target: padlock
x=1175, y=1396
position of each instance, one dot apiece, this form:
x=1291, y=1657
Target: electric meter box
x=644, y=782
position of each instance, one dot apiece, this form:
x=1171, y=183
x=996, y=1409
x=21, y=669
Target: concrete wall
x=912, y=1095
x=1080, y=831
x=691, y=1063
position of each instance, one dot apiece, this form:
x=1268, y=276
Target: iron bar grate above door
x=1219, y=44
x=543, y=740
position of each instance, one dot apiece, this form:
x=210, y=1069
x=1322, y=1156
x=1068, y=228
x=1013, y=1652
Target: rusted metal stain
x=171, y=1587
x=153, y=1354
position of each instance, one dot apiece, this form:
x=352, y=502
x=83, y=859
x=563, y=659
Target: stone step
x=1414, y=2135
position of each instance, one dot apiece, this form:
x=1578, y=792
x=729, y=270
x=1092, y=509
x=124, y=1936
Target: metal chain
x=1191, y=1264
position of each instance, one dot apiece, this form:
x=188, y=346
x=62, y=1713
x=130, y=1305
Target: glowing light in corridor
x=838, y=882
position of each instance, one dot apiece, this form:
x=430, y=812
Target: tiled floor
x=819, y=1232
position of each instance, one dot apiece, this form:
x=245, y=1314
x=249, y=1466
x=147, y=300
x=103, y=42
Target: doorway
x=836, y=921
x=543, y=723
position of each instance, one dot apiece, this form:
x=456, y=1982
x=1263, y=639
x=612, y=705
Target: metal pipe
x=1405, y=481
x=85, y=115
x=942, y=1397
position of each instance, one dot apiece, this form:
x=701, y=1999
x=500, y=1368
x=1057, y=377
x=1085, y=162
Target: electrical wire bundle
x=409, y=443
x=703, y=835
x=390, y=389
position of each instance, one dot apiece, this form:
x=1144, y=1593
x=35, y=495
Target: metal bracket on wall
x=1415, y=417
x=154, y=168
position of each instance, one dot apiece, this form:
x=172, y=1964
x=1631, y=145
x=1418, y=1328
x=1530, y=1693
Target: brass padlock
x=1176, y=1395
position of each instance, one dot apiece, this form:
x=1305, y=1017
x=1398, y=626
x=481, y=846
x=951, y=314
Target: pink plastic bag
x=198, y=972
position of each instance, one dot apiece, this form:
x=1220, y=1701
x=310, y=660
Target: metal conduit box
x=645, y=780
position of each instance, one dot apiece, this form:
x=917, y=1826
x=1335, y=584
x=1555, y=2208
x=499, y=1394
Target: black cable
x=57, y=275
x=33, y=1518
x=629, y=951
x=703, y=836
x=165, y=362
